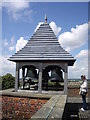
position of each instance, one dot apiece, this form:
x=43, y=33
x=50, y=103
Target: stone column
x=40, y=78
x=17, y=77
x=66, y=79
x=23, y=73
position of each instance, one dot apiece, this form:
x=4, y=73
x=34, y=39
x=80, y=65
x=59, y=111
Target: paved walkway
x=84, y=115
x=74, y=107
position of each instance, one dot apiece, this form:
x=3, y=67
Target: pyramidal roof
x=43, y=46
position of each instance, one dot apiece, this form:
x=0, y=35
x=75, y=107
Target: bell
x=45, y=75
x=60, y=74
x=31, y=72
x=30, y=76
x=56, y=75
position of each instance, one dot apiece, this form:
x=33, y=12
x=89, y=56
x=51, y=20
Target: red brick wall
x=20, y=108
x=74, y=92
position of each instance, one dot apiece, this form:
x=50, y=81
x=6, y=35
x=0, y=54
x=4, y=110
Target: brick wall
x=74, y=92
x=20, y=108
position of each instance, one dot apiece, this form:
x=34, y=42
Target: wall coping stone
x=10, y=92
x=53, y=109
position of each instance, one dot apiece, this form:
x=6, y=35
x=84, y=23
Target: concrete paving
x=74, y=107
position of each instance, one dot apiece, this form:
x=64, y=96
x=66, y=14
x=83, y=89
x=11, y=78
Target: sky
x=69, y=21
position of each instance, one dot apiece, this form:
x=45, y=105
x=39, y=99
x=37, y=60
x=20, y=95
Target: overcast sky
x=69, y=22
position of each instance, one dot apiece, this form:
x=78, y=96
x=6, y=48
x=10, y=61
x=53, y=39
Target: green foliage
x=0, y=82
x=8, y=81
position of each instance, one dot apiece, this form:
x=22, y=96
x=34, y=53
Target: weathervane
x=45, y=18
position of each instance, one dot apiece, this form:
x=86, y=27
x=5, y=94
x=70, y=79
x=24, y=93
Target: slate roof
x=43, y=46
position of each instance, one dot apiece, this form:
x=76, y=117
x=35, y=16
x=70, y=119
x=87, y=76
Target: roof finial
x=45, y=18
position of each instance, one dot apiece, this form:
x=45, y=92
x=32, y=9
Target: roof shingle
x=43, y=45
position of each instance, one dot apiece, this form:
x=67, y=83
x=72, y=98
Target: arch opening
x=52, y=78
x=29, y=77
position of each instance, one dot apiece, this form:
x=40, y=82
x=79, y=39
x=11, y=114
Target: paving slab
x=84, y=115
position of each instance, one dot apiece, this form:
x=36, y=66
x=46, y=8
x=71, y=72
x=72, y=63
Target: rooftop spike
x=45, y=18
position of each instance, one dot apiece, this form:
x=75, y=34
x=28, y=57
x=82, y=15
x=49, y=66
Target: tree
x=0, y=82
x=8, y=81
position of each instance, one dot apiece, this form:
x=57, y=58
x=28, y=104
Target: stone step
x=84, y=115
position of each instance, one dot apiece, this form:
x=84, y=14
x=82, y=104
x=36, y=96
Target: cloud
x=83, y=53
x=17, y=9
x=11, y=48
x=16, y=5
x=6, y=66
x=12, y=43
x=5, y=43
x=12, y=40
x=38, y=26
x=9, y=44
x=55, y=28
x=20, y=43
x=76, y=38
x=81, y=65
